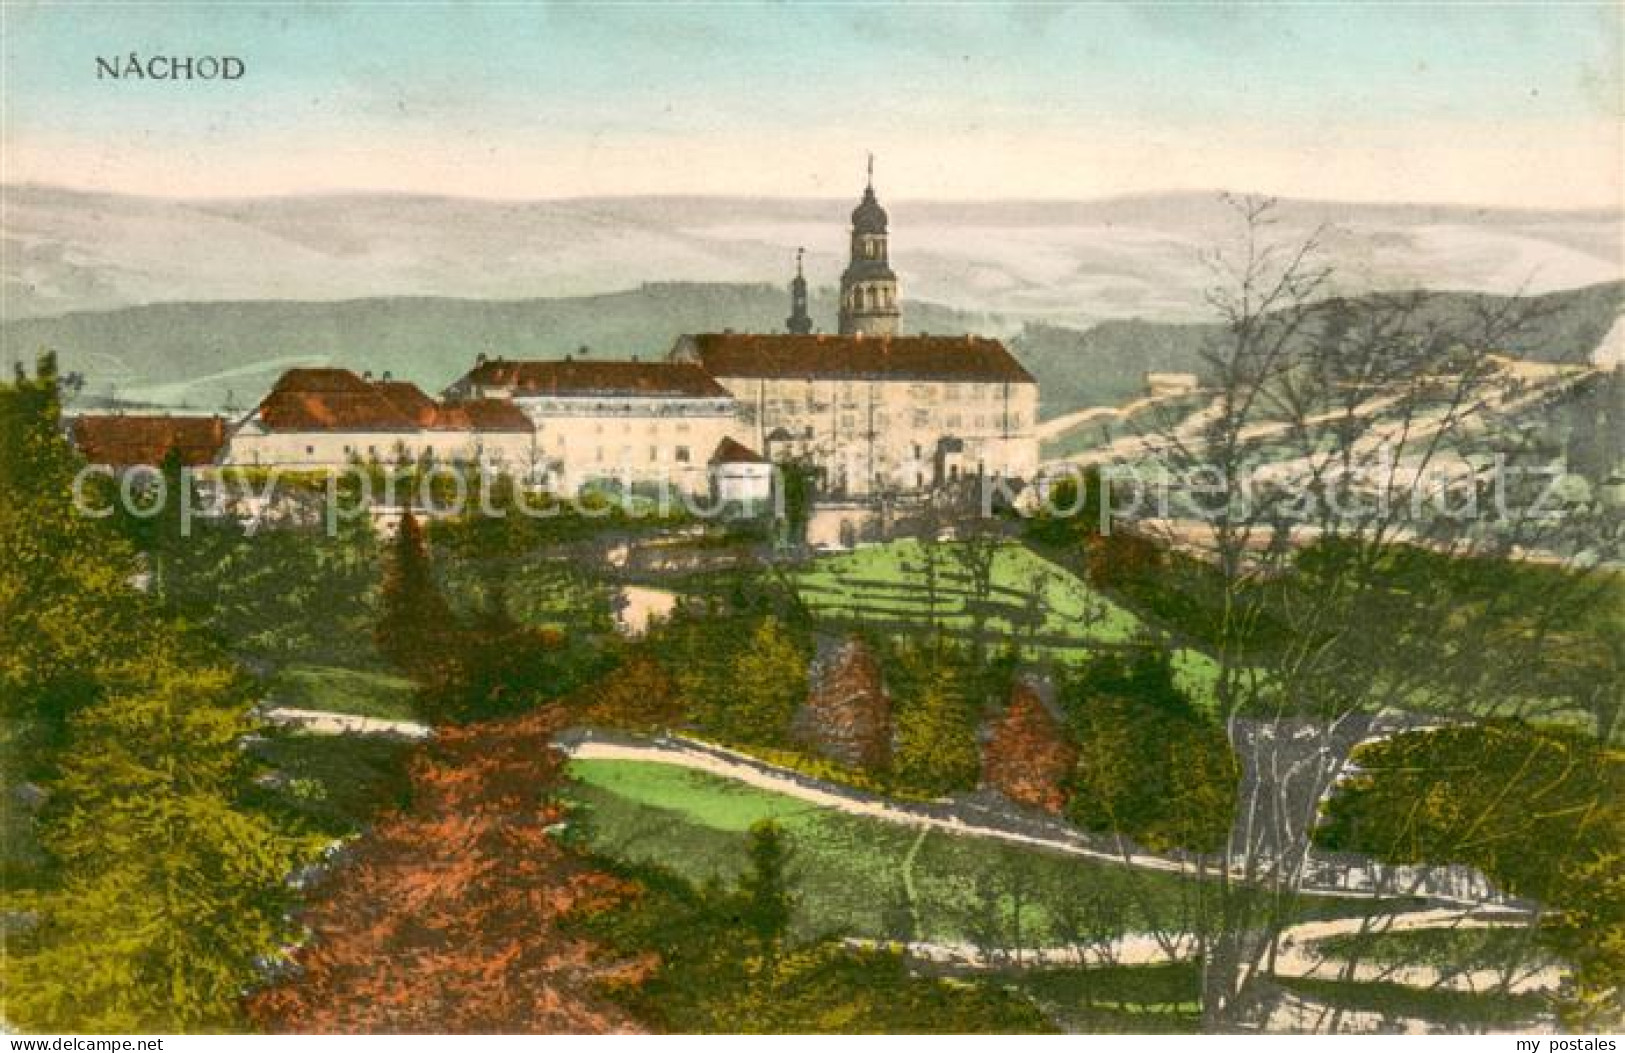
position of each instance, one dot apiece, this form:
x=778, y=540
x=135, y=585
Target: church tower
x=799, y=321
x=868, y=287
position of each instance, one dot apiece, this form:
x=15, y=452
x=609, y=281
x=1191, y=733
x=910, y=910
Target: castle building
x=125, y=440
x=877, y=414
x=330, y=418
x=624, y=422
x=871, y=410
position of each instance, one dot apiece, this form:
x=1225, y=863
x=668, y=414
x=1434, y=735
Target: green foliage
x=937, y=699
x=283, y=593
x=1119, y=999
x=541, y=566
x=1497, y=1011
x=1072, y=514
x=1150, y=766
x=1538, y=810
x=766, y=901
x=332, y=785
x=334, y=689
x=713, y=977
x=797, y=482
x=770, y=682
x=850, y=870
x=162, y=892
x=415, y=628
x=65, y=582
x=170, y=894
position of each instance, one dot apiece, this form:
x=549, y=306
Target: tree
x=1150, y=767
x=1540, y=811
x=170, y=895
x=797, y=482
x=1373, y=418
x=937, y=714
x=766, y=902
x=1072, y=516
x=847, y=715
x=769, y=682
x=456, y=914
x=161, y=893
x=638, y=696
x=416, y=628
x=1028, y=756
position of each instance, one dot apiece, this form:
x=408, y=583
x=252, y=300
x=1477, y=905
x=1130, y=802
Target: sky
x=1482, y=103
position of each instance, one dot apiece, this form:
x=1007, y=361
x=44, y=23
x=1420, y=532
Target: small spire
x=798, y=322
x=871, y=184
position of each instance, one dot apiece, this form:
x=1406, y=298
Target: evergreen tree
x=770, y=681
x=936, y=719
x=454, y=915
x=1540, y=811
x=416, y=629
x=171, y=893
x=161, y=894
x=764, y=889
x=1150, y=766
x=66, y=601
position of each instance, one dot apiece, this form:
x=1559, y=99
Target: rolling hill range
x=1062, y=262
x=195, y=353
x=209, y=354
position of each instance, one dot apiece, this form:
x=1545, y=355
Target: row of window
x=682, y=427
x=872, y=297
x=850, y=392
x=919, y=419
x=679, y=454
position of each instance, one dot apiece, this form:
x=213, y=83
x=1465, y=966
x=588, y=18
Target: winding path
x=743, y=768
x=1295, y=958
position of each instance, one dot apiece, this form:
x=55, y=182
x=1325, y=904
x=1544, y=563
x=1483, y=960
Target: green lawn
x=334, y=689
x=1041, y=607
x=868, y=877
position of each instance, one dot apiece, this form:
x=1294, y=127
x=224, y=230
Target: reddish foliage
x=848, y=716
x=448, y=917
x=1118, y=559
x=1028, y=756
x=638, y=696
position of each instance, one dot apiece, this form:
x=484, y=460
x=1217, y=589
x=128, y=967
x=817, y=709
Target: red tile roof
x=409, y=399
x=731, y=452
x=483, y=415
x=338, y=400
x=331, y=400
x=124, y=440
x=573, y=377
x=785, y=356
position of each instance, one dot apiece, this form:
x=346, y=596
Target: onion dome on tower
x=869, y=303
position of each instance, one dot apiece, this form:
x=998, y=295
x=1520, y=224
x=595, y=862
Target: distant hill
x=199, y=353
x=1105, y=364
x=1070, y=263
